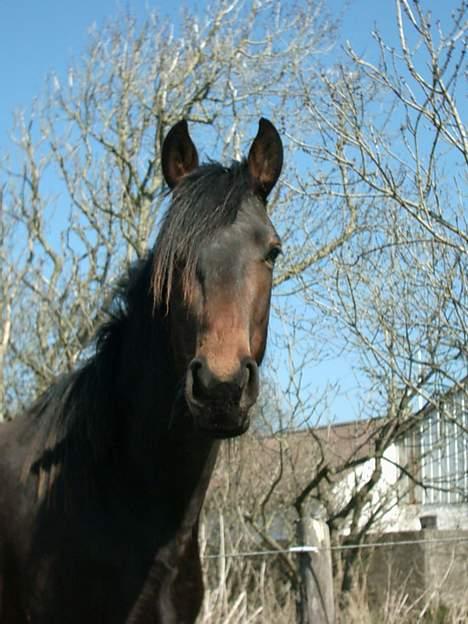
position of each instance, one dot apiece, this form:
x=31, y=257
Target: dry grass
x=261, y=590
x=398, y=609
x=253, y=591
x=260, y=606
x=242, y=589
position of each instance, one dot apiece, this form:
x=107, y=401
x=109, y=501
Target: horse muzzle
x=221, y=407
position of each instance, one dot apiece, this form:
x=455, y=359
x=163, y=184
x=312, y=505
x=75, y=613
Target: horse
x=103, y=478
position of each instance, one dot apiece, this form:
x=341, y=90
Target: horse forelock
x=203, y=203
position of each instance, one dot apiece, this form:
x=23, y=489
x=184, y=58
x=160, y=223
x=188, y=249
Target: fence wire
x=316, y=549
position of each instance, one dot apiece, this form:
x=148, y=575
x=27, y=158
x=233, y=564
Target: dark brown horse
x=103, y=478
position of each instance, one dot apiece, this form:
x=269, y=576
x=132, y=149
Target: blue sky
x=40, y=36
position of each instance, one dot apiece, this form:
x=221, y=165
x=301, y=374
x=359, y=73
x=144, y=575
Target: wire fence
x=315, y=549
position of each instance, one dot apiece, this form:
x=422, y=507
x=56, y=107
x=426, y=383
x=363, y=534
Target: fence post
x=316, y=603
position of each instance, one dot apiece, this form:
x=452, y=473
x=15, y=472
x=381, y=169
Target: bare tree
x=86, y=187
x=371, y=212
x=395, y=297
x=387, y=152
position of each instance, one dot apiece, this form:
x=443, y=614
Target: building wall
x=448, y=517
x=396, y=512
x=436, y=563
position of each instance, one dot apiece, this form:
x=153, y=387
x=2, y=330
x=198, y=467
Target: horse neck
x=184, y=468
x=169, y=457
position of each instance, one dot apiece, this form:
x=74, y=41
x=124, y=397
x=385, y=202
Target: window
x=436, y=453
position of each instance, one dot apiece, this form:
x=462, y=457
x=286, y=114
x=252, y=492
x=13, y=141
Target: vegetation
x=371, y=212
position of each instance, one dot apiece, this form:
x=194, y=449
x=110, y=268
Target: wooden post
x=316, y=603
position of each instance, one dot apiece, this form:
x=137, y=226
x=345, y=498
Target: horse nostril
x=194, y=366
x=198, y=380
x=251, y=381
x=191, y=379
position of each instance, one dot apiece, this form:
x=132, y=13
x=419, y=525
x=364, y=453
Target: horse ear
x=265, y=158
x=179, y=154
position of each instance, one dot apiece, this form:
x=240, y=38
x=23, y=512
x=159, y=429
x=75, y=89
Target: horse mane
x=203, y=202
x=76, y=412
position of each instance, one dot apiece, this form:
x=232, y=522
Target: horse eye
x=272, y=255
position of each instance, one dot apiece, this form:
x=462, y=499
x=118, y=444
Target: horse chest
x=122, y=576
x=173, y=589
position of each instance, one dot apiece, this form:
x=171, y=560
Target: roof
x=288, y=461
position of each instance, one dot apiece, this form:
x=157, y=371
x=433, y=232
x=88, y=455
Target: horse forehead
x=250, y=229
x=253, y=217
x=223, y=262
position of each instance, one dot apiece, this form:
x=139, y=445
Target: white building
x=424, y=482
